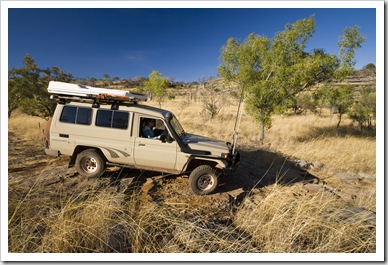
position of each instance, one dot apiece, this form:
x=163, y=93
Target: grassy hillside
x=270, y=205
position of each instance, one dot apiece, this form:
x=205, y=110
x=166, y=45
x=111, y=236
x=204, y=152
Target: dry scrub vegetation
x=270, y=205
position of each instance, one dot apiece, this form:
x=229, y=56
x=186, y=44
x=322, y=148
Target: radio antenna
x=238, y=120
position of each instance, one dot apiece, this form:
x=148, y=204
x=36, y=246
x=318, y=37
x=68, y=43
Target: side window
x=104, y=118
x=84, y=116
x=151, y=128
x=112, y=119
x=78, y=115
x=68, y=114
x=120, y=120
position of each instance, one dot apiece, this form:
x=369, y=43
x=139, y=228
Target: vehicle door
x=153, y=153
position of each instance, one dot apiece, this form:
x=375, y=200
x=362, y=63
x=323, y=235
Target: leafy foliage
x=305, y=101
x=363, y=110
x=370, y=68
x=27, y=88
x=340, y=99
x=272, y=72
x=156, y=87
x=350, y=41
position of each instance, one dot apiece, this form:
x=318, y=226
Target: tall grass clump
x=30, y=127
x=284, y=222
x=105, y=222
x=53, y=221
x=82, y=226
x=164, y=228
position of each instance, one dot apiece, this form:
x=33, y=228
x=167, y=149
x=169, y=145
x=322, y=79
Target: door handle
x=141, y=144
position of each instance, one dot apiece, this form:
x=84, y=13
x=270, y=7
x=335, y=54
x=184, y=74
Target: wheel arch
x=79, y=148
x=195, y=162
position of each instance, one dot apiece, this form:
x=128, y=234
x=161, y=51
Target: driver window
x=151, y=128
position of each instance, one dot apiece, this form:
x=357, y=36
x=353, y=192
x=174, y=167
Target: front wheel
x=90, y=164
x=203, y=180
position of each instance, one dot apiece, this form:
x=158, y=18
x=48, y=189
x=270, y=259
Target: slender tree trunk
x=261, y=134
x=339, y=119
x=261, y=126
x=370, y=122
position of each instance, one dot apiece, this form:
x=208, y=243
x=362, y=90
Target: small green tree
x=320, y=98
x=116, y=80
x=28, y=88
x=305, y=102
x=15, y=95
x=363, y=110
x=350, y=41
x=241, y=63
x=156, y=87
x=271, y=72
x=107, y=80
x=340, y=99
x=213, y=96
x=370, y=68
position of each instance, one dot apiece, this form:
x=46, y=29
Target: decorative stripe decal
x=114, y=154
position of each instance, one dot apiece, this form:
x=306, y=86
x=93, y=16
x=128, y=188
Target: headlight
x=225, y=155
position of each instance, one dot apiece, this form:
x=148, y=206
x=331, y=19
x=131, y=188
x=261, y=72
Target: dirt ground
x=258, y=170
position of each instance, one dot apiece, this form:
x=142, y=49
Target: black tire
x=203, y=180
x=89, y=163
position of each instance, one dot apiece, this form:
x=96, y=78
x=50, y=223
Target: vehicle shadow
x=115, y=175
x=260, y=168
x=257, y=169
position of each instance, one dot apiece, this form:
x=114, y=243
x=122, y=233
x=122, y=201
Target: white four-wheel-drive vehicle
x=105, y=127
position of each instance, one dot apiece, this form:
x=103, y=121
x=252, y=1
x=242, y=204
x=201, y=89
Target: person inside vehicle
x=148, y=132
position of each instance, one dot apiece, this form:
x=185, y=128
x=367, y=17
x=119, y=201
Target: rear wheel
x=203, y=180
x=89, y=163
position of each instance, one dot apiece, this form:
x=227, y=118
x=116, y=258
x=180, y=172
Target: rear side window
x=112, y=119
x=78, y=115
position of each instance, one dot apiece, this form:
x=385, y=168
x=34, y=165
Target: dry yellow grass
x=280, y=222
x=54, y=218
x=309, y=137
x=30, y=127
x=315, y=138
x=283, y=222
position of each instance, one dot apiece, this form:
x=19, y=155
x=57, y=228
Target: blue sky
x=181, y=43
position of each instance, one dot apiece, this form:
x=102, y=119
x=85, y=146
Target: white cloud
x=137, y=55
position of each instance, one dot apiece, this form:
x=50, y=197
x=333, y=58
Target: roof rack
x=75, y=92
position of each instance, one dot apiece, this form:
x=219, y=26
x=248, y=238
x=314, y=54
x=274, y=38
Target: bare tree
x=213, y=96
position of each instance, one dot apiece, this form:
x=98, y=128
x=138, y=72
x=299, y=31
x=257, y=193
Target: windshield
x=177, y=127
